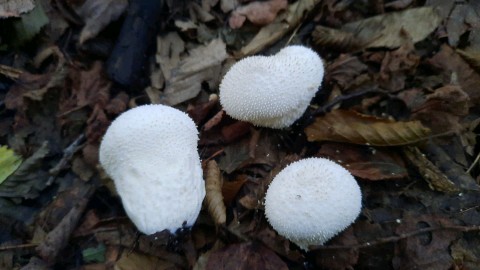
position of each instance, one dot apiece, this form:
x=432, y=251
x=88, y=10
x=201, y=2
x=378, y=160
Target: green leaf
x=94, y=254
x=9, y=162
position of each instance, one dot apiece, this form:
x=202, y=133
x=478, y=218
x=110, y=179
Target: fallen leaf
x=452, y=67
x=98, y=14
x=389, y=30
x=9, y=162
x=429, y=250
x=29, y=25
x=443, y=109
x=284, y=23
x=202, y=65
x=259, y=13
x=213, y=197
x=365, y=161
x=235, y=155
x=339, y=259
x=230, y=189
x=138, y=261
x=28, y=180
x=245, y=256
x=352, y=127
x=13, y=8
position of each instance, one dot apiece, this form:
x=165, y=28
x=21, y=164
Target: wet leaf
x=9, y=162
x=98, y=14
x=245, y=256
x=352, y=127
x=213, y=197
x=365, y=161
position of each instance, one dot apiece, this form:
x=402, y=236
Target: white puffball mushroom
x=272, y=91
x=312, y=200
x=150, y=152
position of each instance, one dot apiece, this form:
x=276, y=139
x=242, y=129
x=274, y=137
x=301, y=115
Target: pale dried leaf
x=259, y=13
x=352, y=127
x=13, y=8
x=283, y=24
x=389, y=30
x=214, y=197
x=98, y=14
x=203, y=64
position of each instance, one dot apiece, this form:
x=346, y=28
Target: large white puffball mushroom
x=150, y=152
x=272, y=91
x=312, y=200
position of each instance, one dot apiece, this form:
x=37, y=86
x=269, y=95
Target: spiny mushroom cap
x=272, y=91
x=312, y=200
x=150, y=152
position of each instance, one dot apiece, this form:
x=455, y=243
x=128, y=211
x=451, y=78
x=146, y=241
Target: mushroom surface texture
x=272, y=91
x=312, y=200
x=150, y=152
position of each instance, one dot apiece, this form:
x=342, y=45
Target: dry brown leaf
x=283, y=24
x=455, y=70
x=259, y=13
x=389, y=30
x=202, y=65
x=98, y=14
x=214, y=197
x=353, y=127
x=231, y=188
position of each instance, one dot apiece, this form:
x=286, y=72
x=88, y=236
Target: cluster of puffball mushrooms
x=151, y=154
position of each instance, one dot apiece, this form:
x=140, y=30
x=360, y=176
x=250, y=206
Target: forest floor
x=398, y=107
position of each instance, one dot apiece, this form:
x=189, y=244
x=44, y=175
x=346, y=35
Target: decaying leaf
x=214, y=198
x=29, y=25
x=283, y=24
x=260, y=13
x=202, y=65
x=435, y=178
x=98, y=14
x=9, y=162
x=389, y=30
x=235, y=155
x=231, y=188
x=352, y=127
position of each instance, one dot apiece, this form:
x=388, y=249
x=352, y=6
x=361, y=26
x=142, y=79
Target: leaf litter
x=398, y=108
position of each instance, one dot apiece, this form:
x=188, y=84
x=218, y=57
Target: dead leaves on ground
x=352, y=127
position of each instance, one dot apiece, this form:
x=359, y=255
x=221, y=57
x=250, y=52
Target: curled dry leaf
x=353, y=127
x=214, y=198
x=260, y=13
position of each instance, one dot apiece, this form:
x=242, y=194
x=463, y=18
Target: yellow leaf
x=9, y=162
x=353, y=127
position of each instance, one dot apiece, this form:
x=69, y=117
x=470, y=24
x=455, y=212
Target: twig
x=20, y=246
x=67, y=156
x=397, y=238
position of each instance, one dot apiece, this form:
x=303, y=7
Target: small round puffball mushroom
x=272, y=91
x=312, y=200
x=150, y=152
